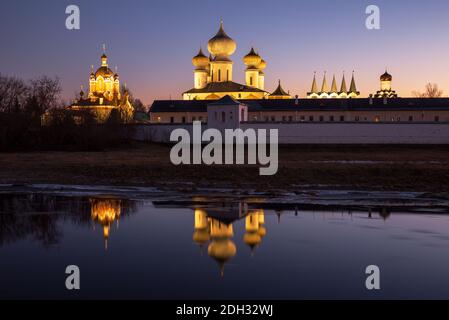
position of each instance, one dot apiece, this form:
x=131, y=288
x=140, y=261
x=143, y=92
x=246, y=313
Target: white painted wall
x=325, y=133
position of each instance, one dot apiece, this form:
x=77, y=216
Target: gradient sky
x=152, y=42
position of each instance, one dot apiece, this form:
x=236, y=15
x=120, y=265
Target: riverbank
x=399, y=168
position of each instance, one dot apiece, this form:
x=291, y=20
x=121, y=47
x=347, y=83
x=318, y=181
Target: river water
x=137, y=243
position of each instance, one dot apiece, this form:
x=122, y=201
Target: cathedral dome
x=386, y=77
x=200, y=61
x=104, y=72
x=222, y=45
x=262, y=64
x=252, y=59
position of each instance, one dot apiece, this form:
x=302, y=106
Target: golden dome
x=222, y=250
x=200, y=61
x=252, y=59
x=262, y=64
x=221, y=46
x=104, y=72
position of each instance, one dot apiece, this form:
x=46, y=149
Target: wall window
x=437, y=119
x=201, y=119
x=219, y=75
x=321, y=118
x=302, y=118
x=357, y=118
x=376, y=119
x=223, y=116
x=194, y=119
x=331, y=119
x=242, y=115
x=410, y=118
x=290, y=118
x=159, y=119
x=183, y=119
x=250, y=81
x=284, y=118
x=311, y=118
x=172, y=119
x=273, y=118
x=342, y=118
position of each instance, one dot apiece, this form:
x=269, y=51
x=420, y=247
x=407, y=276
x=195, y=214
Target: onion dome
x=262, y=64
x=279, y=91
x=386, y=77
x=104, y=70
x=200, y=61
x=221, y=45
x=252, y=59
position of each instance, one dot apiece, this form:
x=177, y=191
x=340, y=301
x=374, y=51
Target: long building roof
x=357, y=104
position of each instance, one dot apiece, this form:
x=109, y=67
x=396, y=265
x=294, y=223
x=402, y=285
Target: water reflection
x=218, y=235
x=40, y=216
x=105, y=212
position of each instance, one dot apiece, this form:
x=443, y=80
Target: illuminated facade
x=213, y=75
x=104, y=95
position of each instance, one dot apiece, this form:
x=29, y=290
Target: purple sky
x=152, y=42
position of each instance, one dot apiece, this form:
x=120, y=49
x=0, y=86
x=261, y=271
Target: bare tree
x=13, y=94
x=44, y=95
x=431, y=91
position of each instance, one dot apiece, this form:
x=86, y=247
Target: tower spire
x=353, y=87
x=344, y=88
x=334, y=85
x=314, y=85
x=324, y=87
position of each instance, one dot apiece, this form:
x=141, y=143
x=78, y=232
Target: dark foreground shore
x=399, y=168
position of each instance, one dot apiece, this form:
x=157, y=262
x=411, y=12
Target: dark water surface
x=316, y=245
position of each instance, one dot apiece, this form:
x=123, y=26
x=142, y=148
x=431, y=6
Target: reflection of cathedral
x=213, y=75
x=219, y=234
x=105, y=212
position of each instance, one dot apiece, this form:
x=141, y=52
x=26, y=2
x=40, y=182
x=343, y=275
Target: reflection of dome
x=252, y=59
x=201, y=236
x=262, y=231
x=200, y=61
x=222, y=250
x=252, y=239
x=386, y=77
x=222, y=45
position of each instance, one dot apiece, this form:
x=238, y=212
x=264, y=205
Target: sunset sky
x=152, y=42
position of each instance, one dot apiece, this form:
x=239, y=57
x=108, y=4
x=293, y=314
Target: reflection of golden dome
x=200, y=61
x=252, y=239
x=262, y=231
x=252, y=59
x=201, y=236
x=222, y=46
x=222, y=250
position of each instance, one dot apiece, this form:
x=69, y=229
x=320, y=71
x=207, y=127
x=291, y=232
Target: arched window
x=219, y=75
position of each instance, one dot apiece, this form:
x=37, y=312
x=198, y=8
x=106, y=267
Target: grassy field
x=403, y=168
